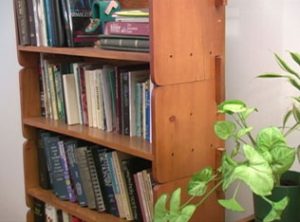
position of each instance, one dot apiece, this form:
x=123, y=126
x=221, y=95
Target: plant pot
x=292, y=211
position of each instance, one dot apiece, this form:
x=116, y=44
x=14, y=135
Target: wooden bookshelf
x=186, y=61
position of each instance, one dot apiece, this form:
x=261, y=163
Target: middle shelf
x=132, y=145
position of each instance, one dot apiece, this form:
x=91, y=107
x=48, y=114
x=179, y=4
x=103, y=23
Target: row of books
x=45, y=212
x=111, y=98
x=96, y=177
x=55, y=23
x=130, y=31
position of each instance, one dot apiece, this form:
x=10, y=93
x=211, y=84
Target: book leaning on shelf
x=97, y=177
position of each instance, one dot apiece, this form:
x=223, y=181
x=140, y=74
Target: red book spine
x=127, y=28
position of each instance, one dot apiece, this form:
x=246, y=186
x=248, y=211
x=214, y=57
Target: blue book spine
x=64, y=164
x=74, y=171
x=49, y=12
x=59, y=184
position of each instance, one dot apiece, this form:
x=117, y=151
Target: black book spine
x=125, y=103
x=22, y=21
x=44, y=179
x=38, y=210
x=31, y=24
x=66, y=21
x=61, y=40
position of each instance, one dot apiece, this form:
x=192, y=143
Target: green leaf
x=284, y=65
x=286, y=118
x=296, y=57
x=175, y=201
x=198, y=183
x=298, y=153
x=296, y=113
x=269, y=138
x=294, y=83
x=227, y=168
x=277, y=209
x=224, y=129
x=232, y=106
x=248, y=111
x=160, y=211
x=243, y=132
x=297, y=99
x=282, y=159
x=256, y=173
x=231, y=204
x=186, y=213
x=272, y=75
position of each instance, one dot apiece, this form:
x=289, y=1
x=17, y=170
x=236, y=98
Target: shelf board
x=72, y=208
x=89, y=52
x=131, y=145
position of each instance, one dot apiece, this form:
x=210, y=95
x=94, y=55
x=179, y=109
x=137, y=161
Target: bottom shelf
x=72, y=208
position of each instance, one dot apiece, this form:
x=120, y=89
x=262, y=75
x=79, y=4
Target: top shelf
x=89, y=52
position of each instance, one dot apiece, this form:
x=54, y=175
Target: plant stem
x=188, y=201
x=236, y=190
x=244, y=123
x=291, y=129
x=209, y=193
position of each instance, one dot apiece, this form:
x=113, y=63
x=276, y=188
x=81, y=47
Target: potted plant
x=262, y=162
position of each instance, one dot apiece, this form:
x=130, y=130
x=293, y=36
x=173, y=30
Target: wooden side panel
x=186, y=37
x=31, y=177
x=29, y=216
x=30, y=96
x=183, y=136
x=210, y=211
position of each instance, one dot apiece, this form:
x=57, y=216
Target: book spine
x=140, y=197
x=64, y=163
x=95, y=181
x=148, y=118
x=59, y=93
x=81, y=158
x=38, y=210
x=42, y=22
x=48, y=19
x=22, y=21
x=125, y=43
x=131, y=191
x=70, y=147
x=105, y=176
x=36, y=23
x=59, y=24
x=125, y=104
x=127, y=28
x=83, y=96
x=65, y=10
x=31, y=22
x=59, y=183
x=42, y=161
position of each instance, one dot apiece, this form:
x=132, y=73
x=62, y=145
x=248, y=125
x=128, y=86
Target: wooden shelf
x=89, y=52
x=72, y=208
x=132, y=145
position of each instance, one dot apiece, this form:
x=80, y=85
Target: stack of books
x=130, y=31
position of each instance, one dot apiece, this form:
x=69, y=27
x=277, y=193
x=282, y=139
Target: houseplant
x=260, y=162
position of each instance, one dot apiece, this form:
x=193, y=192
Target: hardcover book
x=127, y=28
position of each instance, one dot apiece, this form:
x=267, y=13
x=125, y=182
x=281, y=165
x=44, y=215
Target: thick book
x=44, y=179
x=127, y=43
x=127, y=28
x=22, y=22
x=70, y=146
x=70, y=99
x=82, y=161
x=105, y=178
x=76, y=21
x=100, y=205
x=32, y=33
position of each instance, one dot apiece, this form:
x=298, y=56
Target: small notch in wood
x=172, y=118
x=172, y=154
x=171, y=56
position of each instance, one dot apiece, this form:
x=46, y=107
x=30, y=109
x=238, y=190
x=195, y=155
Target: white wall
x=12, y=205
x=255, y=29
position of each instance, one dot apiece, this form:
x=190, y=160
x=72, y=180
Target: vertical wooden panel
x=29, y=216
x=185, y=39
x=183, y=136
x=210, y=211
x=31, y=177
x=30, y=96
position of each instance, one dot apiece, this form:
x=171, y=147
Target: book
x=100, y=205
x=44, y=179
x=127, y=28
x=42, y=23
x=32, y=34
x=70, y=146
x=70, y=99
x=105, y=178
x=50, y=212
x=82, y=161
x=79, y=18
x=130, y=167
x=38, y=210
x=122, y=42
x=22, y=22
